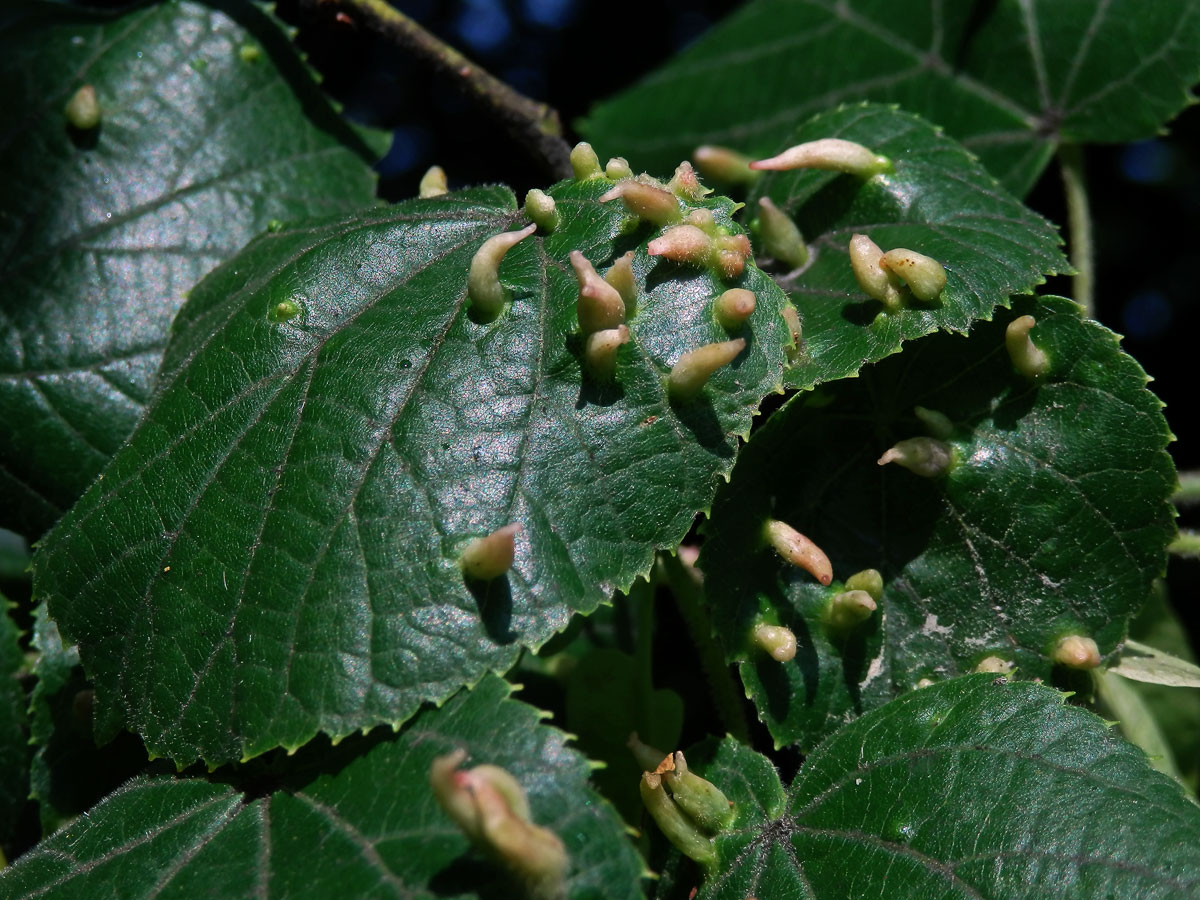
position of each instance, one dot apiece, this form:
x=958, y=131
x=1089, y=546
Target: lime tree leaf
x=14, y=736
x=607, y=699
x=1010, y=78
x=1141, y=662
x=68, y=772
x=370, y=828
x=1052, y=521
x=275, y=551
x=938, y=201
x=210, y=128
x=974, y=788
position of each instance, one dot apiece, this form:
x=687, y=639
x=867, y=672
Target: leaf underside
x=1014, y=77
x=974, y=788
x=1052, y=520
x=103, y=232
x=367, y=827
x=275, y=551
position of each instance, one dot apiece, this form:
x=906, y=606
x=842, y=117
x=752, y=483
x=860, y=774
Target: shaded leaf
x=1053, y=519
x=368, y=828
x=973, y=788
x=102, y=233
x=14, y=727
x=1141, y=662
x=68, y=772
x=275, y=552
x=939, y=201
x=1009, y=78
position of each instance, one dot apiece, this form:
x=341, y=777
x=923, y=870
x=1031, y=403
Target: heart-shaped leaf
x=1015, y=76
x=371, y=825
x=1052, y=519
x=938, y=201
x=974, y=788
x=276, y=550
x=209, y=128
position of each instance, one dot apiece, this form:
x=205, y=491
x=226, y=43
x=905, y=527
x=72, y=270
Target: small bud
x=792, y=318
x=734, y=307
x=675, y=824
x=850, y=608
x=584, y=162
x=995, y=665
x=1077, y=652
x=924, y=456
x=724, y=165
x=1026, y=358
x=780, y=236
x=487, y=294
x=778, y=642
x=693, y=369
x=83, y=109
x=925, y=276
x=729, y=254
x=869, y=580
x=249, y=53
x=938, y=423
x=876, y=281
x=620, y=276
x=798, y=550
x=542, y=210
x=490, y=557
x=489, y=805
x=683, y=243
x=647, y=757
x=600, y=351
x=701, y=800
x=686, y=185
x=600, y=306
x=646, y=201
x=833, y=154
x=617, y=167
x=284, y=311
x=433, y=183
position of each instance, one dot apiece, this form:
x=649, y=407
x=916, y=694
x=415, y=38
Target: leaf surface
x=938, y=201
x=103, y=232
x=1010, y=79
x=275, y=552
x=359, y=820
x=973, y=788
x=1052, y=520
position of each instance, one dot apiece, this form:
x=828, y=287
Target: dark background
x=571, y=53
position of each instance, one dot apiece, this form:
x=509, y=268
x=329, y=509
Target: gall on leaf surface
x=1016, y=77
x=937, y=200
x=356, y=820
x=1052, y=520
x=972, y=789
x=275, y=551
x=103, y=233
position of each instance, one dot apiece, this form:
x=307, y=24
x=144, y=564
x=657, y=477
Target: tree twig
x=1079, y=225
x=535, y=125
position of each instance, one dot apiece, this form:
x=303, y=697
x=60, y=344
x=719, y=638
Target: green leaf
x=606, y=701
x=14, y=738
x=1118, y=698
x=102, y=233
x=68, y=772
x=275, y=552
x=1141, y=662
x=1009, y=78
x=1052, y=521
x=974, y=788
x=939, y=201
x=368, y=828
